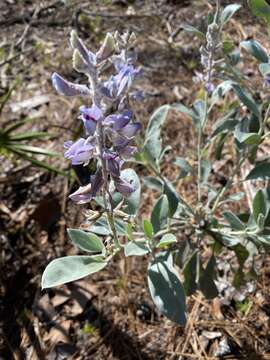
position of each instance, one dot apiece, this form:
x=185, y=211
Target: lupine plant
x=225, y=115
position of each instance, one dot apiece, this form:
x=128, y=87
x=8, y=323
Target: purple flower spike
x=66, y=88
x=90, y=117
x=79, y=152
x=124, y=187
x=86, y=193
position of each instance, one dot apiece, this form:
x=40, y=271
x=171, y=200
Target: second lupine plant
x=177, y=233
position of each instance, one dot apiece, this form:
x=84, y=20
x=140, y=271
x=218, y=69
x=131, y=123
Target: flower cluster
x=108, y=135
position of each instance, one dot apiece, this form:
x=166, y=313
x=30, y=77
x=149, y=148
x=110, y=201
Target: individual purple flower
x=120, y=82
x=124, y=187
x=210, y=87
x=67, y=88
x=86, y=193
x=130, y=130
x=267, y=80
x=113, y=163
x=79, y=152
x=90, y=117
x=127, y=152
x=118, y=121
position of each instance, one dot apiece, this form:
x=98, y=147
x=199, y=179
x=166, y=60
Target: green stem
x=199, y=147
x=227, y=185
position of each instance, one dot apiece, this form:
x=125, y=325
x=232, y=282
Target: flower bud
x=66, y=88
x=107, y=48
x=79, y=64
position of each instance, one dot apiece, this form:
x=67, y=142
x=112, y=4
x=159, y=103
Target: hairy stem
x=107, y=198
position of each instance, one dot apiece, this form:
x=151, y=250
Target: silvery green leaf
x=183, y=109
x=233, y=220
x=152, y=144
x=67, y=88
x=264, y=239
x=172, y=196
x=228, y=12
x=264, y=69
x=129, y=231
x=206, y=280
x=164, y=151
x=196, y=113
x=241, y=253
x=70, y=268
x=133, y=201
x=191, y=274
x=199, y=109
x=148, y=229
x=261, y=171
x=166, y=240
x=153, y=183
x=246, y=137
x=234, y=197
x=227, y=123
x=205, y=170
x=259, y=205
x=86, y=241
x=193, y=30
x=260, y=8
x=167, y=291
x=160, y=213
x=256, y=50
x=221, y=90
x=120, y=227
x=246, y=99
x=186, y=168
x=182, y=254
x=100, y=227
x=136, y=248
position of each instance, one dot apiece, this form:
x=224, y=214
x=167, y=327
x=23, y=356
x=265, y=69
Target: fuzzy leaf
x=136, y=248
x=228, y=12
x=167, y=291
x=259, y=172
x=256, y=50
x=160, y=213
x=70, y=268
x=166, y=240
x=86, y=241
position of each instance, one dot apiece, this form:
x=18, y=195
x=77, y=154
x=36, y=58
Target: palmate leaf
x=70, y=268
x=166, y=290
